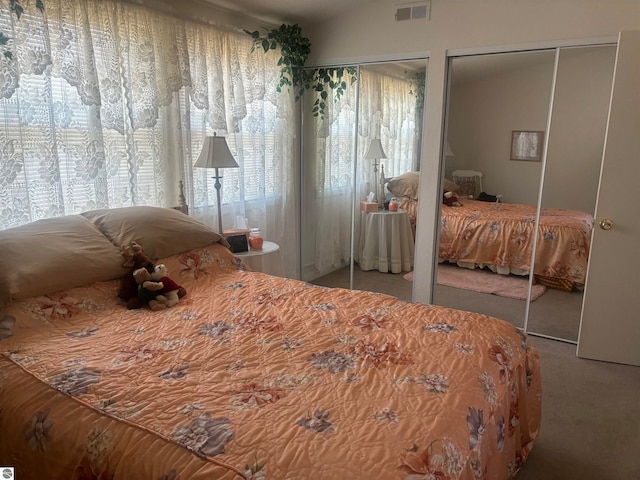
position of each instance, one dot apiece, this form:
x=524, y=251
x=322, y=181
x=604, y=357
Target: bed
x=249, y=375
x=499, y=236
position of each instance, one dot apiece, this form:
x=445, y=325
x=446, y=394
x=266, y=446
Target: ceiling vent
x=413, y=11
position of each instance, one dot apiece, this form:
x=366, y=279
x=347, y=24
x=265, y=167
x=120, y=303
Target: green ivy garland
x=418, y=85
x=17, y=9
x=333, y=77
x=295, y=49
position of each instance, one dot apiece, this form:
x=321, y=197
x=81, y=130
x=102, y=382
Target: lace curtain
x=106, y=104
x=387, y=110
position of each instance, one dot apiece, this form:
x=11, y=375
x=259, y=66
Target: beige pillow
x=405, y=185
x=449, y=186
x=161, y=231
x=56, y=254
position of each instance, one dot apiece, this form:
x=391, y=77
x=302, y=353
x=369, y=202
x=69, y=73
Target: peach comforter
x=500, y=236
x=257, y=377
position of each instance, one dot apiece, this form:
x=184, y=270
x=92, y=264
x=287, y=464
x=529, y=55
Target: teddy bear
x=134, y=259
x=451, y=199
x=171, y=290
x=149, y=290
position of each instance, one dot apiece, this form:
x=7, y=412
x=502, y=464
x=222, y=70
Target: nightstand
x=255, y=259
x=386, y=242
x=267, y=247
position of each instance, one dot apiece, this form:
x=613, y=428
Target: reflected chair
x=470, y=183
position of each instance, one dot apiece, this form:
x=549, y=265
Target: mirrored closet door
x=484, y=249
x=533, y=125
x=569, y=189
x=383, y=138
x=329, y=154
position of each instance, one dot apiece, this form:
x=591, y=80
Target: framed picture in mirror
x=526, y=145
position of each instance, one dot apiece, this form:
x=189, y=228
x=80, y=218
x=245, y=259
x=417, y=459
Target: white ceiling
x=289, y=11
x=308, y=12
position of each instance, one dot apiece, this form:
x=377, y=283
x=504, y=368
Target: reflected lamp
x=375, y=152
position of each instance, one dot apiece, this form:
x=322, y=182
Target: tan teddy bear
x=171, y=290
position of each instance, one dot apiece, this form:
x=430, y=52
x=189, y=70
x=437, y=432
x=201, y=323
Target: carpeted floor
x=556, y=313
x=590, y=427
x=590, y=410
x=484, y=281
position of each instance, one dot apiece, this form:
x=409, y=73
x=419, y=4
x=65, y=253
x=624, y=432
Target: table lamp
x=448, y=152
x=375, y=153
x=215, y=154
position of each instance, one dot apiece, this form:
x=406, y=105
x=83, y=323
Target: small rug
x=486, y=282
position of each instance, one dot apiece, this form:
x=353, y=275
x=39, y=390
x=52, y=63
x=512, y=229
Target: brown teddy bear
x=149, y=290
x=451, y=199
x=134, y=259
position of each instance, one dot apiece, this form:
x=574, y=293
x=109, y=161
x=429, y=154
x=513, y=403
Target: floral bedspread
x=502, y=234
x=258, y=377
x=479, y=234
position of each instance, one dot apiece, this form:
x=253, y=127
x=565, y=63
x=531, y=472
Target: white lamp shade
x=448, y=152
x=215, y=154
x=375, y=149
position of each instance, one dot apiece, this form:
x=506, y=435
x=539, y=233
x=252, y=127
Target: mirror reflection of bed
x=491, y=96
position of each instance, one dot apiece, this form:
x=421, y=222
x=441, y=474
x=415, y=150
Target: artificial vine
x=418, y=84
x=295, y=49
x=333, y=77
x=16, y=8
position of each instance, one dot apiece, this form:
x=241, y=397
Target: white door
x=610, y=328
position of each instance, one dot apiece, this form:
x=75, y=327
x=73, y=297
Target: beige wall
x=371, y=31
x=576, y=141
x=483, y=113
x=481, y=117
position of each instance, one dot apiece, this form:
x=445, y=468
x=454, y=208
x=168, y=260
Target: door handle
x=606, y=224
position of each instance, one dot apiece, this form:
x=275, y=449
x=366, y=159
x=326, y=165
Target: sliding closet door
x=610, y=329
x=342, y=245
x=329, y=156
x=490, y=96
x=390, y=115
x=572, y=168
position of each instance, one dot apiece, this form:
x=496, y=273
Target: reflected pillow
x=449, y=186
x=406, y=185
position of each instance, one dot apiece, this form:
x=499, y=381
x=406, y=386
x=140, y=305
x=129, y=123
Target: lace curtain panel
x=106, y=104
x=388, y=112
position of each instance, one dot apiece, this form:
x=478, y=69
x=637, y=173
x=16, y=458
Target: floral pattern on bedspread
x=501, y=234
x=252, y=376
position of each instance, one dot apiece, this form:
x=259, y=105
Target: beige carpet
x=486, y=282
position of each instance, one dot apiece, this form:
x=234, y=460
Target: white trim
x=534, y=248
x=550, y=337
x=381, y=58
x=524, y=47
x=468, y=51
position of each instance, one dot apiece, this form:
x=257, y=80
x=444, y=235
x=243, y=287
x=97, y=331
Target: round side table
x=267, y=247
